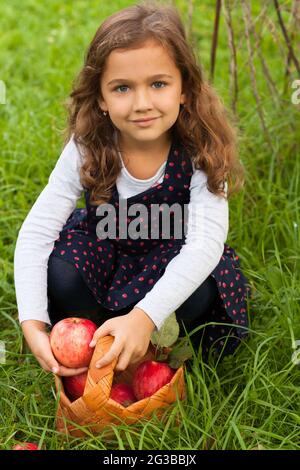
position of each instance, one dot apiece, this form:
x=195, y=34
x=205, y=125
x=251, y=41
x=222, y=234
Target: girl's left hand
x=132, y=334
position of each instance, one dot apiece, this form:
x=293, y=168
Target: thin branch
x=215, y=40
x=277, y=39
x=190, y=17
x=293, y=23
x=260, y=111
x=255, y=20
x=233, y=59
x=286, y=37
x=270, y=83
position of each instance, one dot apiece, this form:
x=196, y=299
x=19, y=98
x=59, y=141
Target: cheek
x=171, y=106
x=170, y=98
x=119, y=107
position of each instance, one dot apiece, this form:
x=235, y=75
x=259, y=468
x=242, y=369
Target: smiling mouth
x=145, y=120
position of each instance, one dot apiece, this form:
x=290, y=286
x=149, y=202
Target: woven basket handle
x=104, y=375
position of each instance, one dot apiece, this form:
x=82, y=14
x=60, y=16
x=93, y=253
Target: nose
x=142, y=101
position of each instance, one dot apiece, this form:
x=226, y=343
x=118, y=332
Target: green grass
x=251, y=399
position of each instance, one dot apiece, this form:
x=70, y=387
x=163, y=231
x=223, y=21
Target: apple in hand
x=149, y=377
x=26, y=446
x=74, y=385
x=70, y=339
x=123, y=394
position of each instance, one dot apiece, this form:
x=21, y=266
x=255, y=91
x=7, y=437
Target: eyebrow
x=117, y=80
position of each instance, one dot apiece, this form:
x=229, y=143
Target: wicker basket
x=96, y=410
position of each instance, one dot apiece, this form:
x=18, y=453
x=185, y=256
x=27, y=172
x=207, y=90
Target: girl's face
x=138, y=84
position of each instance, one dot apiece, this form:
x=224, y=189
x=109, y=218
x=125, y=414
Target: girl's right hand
x=38, y=341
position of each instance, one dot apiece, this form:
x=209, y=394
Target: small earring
x=104, y=113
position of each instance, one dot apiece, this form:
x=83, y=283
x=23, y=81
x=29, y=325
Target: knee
x=206, y=294
x=63, y=279
x=200, y=301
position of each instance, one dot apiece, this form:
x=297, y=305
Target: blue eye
x=125, y=86
x=164, y=83
x=120, y=86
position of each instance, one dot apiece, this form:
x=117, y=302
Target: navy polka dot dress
x=120, y=271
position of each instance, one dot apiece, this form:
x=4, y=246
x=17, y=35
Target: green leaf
x=180, y=353
x=167, y=334
x=162, y=357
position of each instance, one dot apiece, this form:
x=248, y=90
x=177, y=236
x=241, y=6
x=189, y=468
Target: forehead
x=149, y=59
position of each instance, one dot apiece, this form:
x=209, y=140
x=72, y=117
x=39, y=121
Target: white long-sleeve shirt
x=206, y=234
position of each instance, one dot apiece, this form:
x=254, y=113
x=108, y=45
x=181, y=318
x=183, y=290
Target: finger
x=112, y=353
x=43, y=364
x=49, y=364
x=136, y=359
x=46, y=356
x=103, y=330
x=123, y=361
x=68, y=372
x=58, y=369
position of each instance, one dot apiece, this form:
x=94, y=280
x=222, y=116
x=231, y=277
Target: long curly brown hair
x=204, y=125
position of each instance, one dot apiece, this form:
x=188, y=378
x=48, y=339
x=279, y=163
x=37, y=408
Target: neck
x=144, y=150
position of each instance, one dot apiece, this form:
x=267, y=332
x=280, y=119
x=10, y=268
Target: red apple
x=149, y=377
x=123, y=394
x=69, y=340
x=74, y=385
x=26, y=446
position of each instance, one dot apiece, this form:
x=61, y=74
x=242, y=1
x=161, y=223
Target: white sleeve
x=39, y=231
x=206, y=234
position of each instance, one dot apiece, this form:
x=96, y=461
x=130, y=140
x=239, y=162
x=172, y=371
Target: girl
x=145, y=128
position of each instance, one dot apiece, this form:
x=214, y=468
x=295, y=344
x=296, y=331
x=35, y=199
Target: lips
x=145, y=119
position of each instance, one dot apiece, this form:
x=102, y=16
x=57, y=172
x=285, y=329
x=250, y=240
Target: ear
x=102, y=105
x=182, y=98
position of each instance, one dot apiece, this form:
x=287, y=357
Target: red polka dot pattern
x=120, y=272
